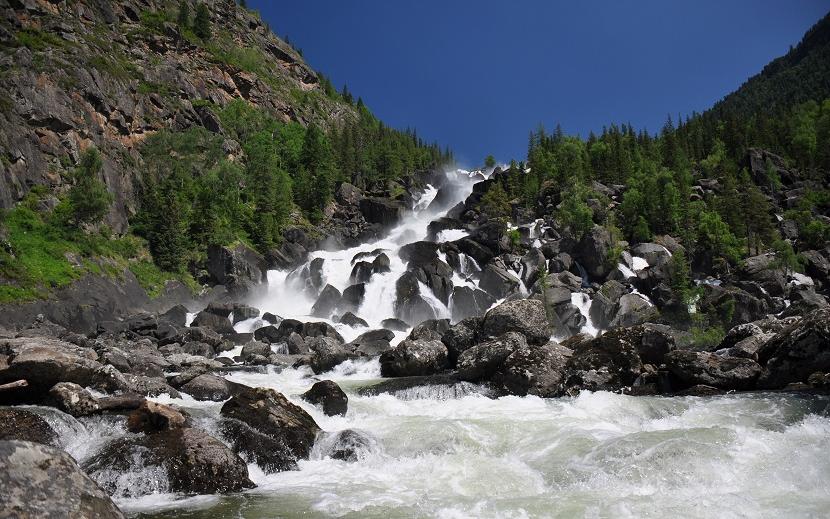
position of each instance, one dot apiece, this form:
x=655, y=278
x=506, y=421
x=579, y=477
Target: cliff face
x=76, y=73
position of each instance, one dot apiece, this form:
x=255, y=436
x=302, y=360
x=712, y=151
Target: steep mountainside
x=75, y=73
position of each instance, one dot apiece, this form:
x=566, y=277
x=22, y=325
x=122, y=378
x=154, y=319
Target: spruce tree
x=183, y=20
x=89, y=198
x=201, y=23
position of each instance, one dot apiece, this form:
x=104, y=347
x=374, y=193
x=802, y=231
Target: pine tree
x=88, y=197
x=183, y=20
x=201, y=23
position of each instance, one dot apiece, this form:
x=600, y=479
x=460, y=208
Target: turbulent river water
x=454, y=452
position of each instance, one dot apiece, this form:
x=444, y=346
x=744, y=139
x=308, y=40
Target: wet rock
x=410, y=306
x=692, y=367
x=255, y=348
x=346, y=445
x=361, y=272
x=73, y=399
x=412, y=358
x=381, y=264
x=268, y=429
x=535, y=370
x=18, y=423
x=244, y=312
x=268, y=317
x=329, y=396
x=327, y=302
x=738, y=333
x=498, y=281
x=176, y=315
x=419, y=253
x=150, y=386
x=41, y=481
x=605, y=303
x=326, y=353
x=592, y=250
x=353, y=297
x=201, y=349
x=396, y=325
x=372, y=343
x=609, y=362
x=460, y=337
x=207, y=387
x=151, y=417
x=193, y=462
x=431, y=330
x=797, y=351
x=350, y=319
x=525, y=316
x=470, y=302
x=482, y=361
x=382, y=211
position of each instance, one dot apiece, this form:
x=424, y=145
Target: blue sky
x=479, y=75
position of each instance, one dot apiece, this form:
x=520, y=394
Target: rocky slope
x=109, y=74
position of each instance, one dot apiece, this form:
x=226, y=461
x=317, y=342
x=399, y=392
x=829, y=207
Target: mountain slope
x=109, y=74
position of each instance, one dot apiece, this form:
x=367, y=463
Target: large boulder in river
x=266, y=428
x=327, y=302
x=526, y=316
x=690, y=368
x=460, y=337
x=470, y=302
x=483, y=360
x=797, y=351
x=609, y=362
x=207, y=387
x=633, y=309
x=191, y=462
x=326, y=353
x=41, y=481
x=410, y=305
x=328, y=395
x=498, y=281
x=535, y=370
x=411, y=358
x=239, y=268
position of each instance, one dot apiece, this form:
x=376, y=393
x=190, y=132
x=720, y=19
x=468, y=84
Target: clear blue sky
x=479, y=75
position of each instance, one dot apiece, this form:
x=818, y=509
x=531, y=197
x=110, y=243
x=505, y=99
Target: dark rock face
x=194, y=462
x=41, y=481
x=535, y=370
x=498, y=281
x=481, y=361
x=353, y=297
x=437, y=275
x=239, y=269
x=410, y=306
x=592, y=250
x=693, y=368
x=18, y=423
x=526, y=316
x=329, y=396
x=327, y=303
x=608, y=362
x=354, y=321
x=470, y=302
x=382, y=211
x=151, y=417
x=411, y=358
x=460, y=337
x=797, y=351
x=419, y=253
x=265, y=427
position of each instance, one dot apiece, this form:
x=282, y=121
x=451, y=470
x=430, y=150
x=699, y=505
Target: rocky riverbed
x=429, y=372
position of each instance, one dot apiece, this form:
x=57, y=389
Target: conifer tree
x=201, y=23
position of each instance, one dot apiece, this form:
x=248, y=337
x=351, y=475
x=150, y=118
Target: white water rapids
x=454, y=453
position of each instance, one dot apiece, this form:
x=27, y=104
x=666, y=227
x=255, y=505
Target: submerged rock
x=41, y=481
x=346, y=445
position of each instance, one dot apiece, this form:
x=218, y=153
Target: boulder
x=482, y=361
x=470, y=302
x=797, y=351
x=526, y=316
x=609, y=362
x=436, y=275
x=346, y=445
x=497, y=281
x=605, y=303
x=37, y=480
x=361, y=272
x=73, y=399
x=381, y=264
x=410, y=358
x=327, y=302
x=460, y=337
x=592, y=250
x=410, y=306
x=372, y=343
x=419, y=253
x=382, y=211
x=329, y=396
x=192, y=462
x=176, y=315
x=430, y=330
x=633, y=309
x=239, y=268
x=535, y=370
x=353, y=297
x=244, y=312
x=151, y=417
x=207, y=387
x=19, y=423
x=691, y=368
x=255, y=348
x=266, y=428
x=350, y=319
x=326, y=353
x=396, y=325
